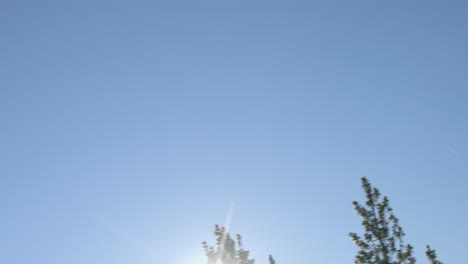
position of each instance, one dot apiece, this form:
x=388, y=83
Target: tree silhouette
x=431, y=255
x=271, y=260
x=382, y=242
x=227, y=251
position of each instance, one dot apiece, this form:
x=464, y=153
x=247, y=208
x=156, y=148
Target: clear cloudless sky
x=128, y=129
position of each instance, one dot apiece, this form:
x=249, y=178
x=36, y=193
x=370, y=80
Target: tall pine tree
x=382, y=242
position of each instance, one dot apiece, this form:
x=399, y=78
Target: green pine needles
x=382, y=241
x=431, y=255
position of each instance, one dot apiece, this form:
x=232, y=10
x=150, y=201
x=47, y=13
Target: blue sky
x=129, y=128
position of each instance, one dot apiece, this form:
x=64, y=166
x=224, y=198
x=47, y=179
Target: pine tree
x=228, y=251
x=383, y=236
x=431, y=255
x=382, y=242
x=271, y=259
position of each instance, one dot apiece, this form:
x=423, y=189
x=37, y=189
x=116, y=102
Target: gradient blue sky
x=128, y=128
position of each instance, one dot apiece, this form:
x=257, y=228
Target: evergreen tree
x=431, y=255
x=382, y=242
x=228, y=251
x=272, y=260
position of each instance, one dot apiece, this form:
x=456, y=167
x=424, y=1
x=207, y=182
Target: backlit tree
x=228, y=251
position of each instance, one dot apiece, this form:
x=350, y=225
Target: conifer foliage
x=382, y=242
x=431, y=255
x=272, y=260
x=227, y=251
